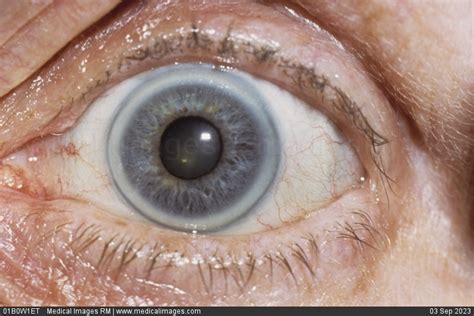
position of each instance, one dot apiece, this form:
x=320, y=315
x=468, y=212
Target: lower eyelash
x=50, y=244
x=362, y=225
x=297, y=260
x=87, y=252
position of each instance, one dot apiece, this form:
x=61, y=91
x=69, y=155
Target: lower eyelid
x=74, y=245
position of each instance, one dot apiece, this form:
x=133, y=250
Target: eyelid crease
x=15, y=16
x=35, y=42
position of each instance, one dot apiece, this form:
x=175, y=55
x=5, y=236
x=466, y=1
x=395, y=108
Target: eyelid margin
x=164, y=268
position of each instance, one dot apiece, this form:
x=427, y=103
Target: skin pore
x=409, y=64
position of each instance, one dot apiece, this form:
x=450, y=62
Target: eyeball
x=193, y=147
x=201, y=148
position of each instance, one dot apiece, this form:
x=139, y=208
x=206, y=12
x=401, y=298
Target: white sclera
x=318, y=163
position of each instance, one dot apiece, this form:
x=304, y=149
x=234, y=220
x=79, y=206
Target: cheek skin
x=430, y=259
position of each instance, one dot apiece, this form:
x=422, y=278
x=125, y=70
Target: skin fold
x=410, y=62
x=42, y=29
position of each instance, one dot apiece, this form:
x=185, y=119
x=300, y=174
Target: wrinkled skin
x=416, y=54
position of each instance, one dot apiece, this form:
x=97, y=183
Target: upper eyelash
x=261, y=54
x=304, y=77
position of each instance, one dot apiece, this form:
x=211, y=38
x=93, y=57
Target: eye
x=268, y=147
x=198, y=159
x=193, y=147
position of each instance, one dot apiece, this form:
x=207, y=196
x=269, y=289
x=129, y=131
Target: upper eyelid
x=263, y=52
x=32, y=34
x=302, y=75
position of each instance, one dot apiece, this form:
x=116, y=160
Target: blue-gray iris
x=197, y=188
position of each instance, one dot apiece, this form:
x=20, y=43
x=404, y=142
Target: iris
x=193, y=147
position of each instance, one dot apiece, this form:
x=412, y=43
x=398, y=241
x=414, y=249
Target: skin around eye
x=98, y=252
x=28, y=36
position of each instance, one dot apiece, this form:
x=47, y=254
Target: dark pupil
x=190, y=147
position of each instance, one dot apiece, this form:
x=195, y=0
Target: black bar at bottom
x=229, y=311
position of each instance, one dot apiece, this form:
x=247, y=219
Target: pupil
x=190, y=147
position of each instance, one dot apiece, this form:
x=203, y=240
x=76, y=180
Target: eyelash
x=226, y=49
x=118, y=252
